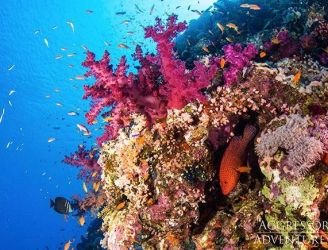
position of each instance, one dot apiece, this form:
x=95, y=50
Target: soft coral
x=181, y=86
x=87, y=161
x=162, y=81
x=238, y=58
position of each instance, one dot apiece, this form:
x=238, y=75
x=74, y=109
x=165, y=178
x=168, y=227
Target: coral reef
x=93, y=237
x=252, y=115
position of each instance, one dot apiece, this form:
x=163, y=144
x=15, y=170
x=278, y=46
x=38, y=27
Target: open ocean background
x=31, y=168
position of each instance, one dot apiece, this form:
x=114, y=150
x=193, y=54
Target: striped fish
x=61, y=205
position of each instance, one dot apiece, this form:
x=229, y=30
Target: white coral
x=305, y=155
x=303, y=149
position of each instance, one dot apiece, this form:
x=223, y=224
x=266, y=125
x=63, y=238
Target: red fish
x=233, y=158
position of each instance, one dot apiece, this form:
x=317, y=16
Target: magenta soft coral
x=122, y=93
x=181, y=86
x=109, y=86
x=238, y=58
x=87, y=161
x=284, y=45
x=162, y=81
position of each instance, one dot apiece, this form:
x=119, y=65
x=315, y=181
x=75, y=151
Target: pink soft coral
x=285, y=45
x=181, y=86
x=87, y=160
x=122, y=93
x=162, y=82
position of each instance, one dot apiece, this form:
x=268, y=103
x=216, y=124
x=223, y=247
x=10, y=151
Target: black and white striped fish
x=61, y=205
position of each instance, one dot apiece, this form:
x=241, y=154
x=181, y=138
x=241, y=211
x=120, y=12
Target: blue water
x=31, y=168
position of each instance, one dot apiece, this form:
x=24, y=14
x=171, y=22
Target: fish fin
x=52, y=203
x=244, y=169
x=75, y=205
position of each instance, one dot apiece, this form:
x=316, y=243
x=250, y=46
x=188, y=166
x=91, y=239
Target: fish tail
x=52, y=203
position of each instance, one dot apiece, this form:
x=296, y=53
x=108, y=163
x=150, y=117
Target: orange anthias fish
x=263, y=54
x=250, y=6
x=233, y=26
x=120, y=206
x=222, y=63
x=245, y=5
x=254, y=7
x=96, y=186
x=297, y=77
x=221, y=27
x=275, y=41
x=123, y=46
x=67, y=245
x=229, y=39
x=85, y=188
x=325, y=50
x=205, y=49
x=233, y=158
x=81, y=220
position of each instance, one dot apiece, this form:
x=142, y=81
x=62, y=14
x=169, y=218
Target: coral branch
x=238, y=58
x=162, y=81
x=87, y=160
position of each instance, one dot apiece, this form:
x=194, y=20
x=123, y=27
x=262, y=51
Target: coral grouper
x=233, y=159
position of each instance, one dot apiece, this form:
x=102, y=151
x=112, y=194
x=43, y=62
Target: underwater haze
x=32, y=171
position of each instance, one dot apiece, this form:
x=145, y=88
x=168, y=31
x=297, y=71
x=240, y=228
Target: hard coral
x=297, y=203
x=161, y=172
x=321, y=30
